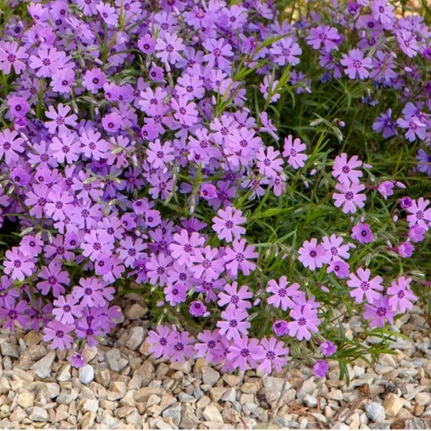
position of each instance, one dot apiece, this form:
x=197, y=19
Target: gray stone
x=375, y=412
x=90, y=406
x=135, y=311
x=173, y=412
x=43, y=366
x=64, y=373
x=212, y=414
x=310, y=401
x=210, y=376
x=189, y=419
x=136, y=338
x=39, y=415
x=307, y=388
x=25, y=400
x=86, y=374
x=114, y=360
x=8, y=350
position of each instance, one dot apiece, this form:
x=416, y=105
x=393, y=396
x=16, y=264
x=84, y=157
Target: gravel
x=122, y=386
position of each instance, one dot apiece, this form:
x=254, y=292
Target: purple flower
x=340, y=268
x=14, y=313
x=17, y=265
x=356, y=65
x=405, y=249
x=77, y=360
x=365, y=286
x=324, y=35
x=415, y=127
x=401, y=295
x=238, y=257
x=275, y=355
x=206, y=264
x=245, y=352
x=383, y=11
x=293, y=150
x=305, y=322
x=345, y=171
x=385, y=188
x=161, y=342
x=362, y=233
x=217, y=51
x=182, y=347
x=321, y=368
x=58, y=333
x=168, y=50
x=280, y=328
x=66, y=310
x=424, y=162
x=328, y=348
x=379, y=311
x=385, y=124
x=210, y=347
x=94, y=80
x=235, y=298
x=269, y=164
x=419, y=213
x=175, y=293
x=227, y=224
x=60, y=119
x=184, y=246
x=54, y=278
x=197, y=308
x=90, y=292
x=10, y=56
x=157, y=268
x=333, y=245
x=10, y=145
x=282, y=294
x=234, y=323
x=313, y=256
x=416, y=233
x=349, y=198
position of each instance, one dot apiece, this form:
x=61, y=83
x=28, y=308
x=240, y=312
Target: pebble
x=375, y=411
x=86, y=374
x=210, y=376
x=392, y=404
x=136, y=338
x=43, y=366
x=25, y=400
x=135, y=311
x=39, y=415
x=423, y=398
x=212, y=414
x=114, y=360
x=310, y=401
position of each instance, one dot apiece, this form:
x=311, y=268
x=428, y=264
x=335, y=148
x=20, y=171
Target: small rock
x=25, y=400
x=375, y=412
x=250, y=388
x=8, y=350
x=212, y=414
x=392, y=404
x=143, y=394
x=90, y=406
x=359, y=371
x=64, y=373
x=135, y=311
x=114, y=360
x=32, y=338
x=43, y=366
x=307, y=388
x=86, y=374
x=423, y=398
x=233, y=381
x=189, y=419
x=173, y=412
x=136, y=338
x=335, y=394
x=103, y=377
x=275, y=384
x=310, y=401
x=161, y=425
x=39, y=415
x=210, y=376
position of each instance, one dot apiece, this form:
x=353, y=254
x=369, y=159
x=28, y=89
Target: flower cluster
x=143, y=150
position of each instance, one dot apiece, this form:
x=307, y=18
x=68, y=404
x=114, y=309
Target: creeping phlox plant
x=250, y=172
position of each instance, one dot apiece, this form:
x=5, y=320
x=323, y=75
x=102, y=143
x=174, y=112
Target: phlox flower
x=210, y=347
x=405, y=249
x=11, y=56
x=245, y=352
x=419, y=214
x=227, y=224
x=169, y=47
x=161, y=342
x=268, y=87
x=175, y=293
x=234, y=323
x=362, y=233
x=269, y=164
x=324, y=35
x=385, y=125
x=313, y=256
x=293, y=150
x=90, y=292
x=58, y=333
x=17, y=265
x=416, y=128
x=383, y=11
x=238, y=257
x=334, y=245
x=306, y=322
x=364, y=286
x=349, y=198
x=182, y=347
x=321, y=368
x=218, y=49
x=157, y=269
x=60, y=119
x=356, y=65
x=280, y=328
x=197, y=308
x=379, y=311
x=31, y=245
x=407, y=42
x=66, y=309
x=286, y=51
x=416, y=233
x=328, y=348
x=54, y=279
x=235, y=298
x=345, y=170
x=385, y=188
x=206, y=264
x=10, y=145
x=14, y=313
x=159, y=155
x=339, y=267
x=282, y=295
x=275, y=355
x=183, y=246
x=66, y=148
x=401, y=295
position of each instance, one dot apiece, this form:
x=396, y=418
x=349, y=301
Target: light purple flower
x=356, y=65
x=313, y=256
x=350, y=197
x=234, y=323
x=227, y=224
x=364, y=286
x=282, y=295
x=379, y=311
x=245, y=352
x=401, y=295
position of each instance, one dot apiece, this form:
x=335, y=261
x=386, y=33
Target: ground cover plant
x=256, y=170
